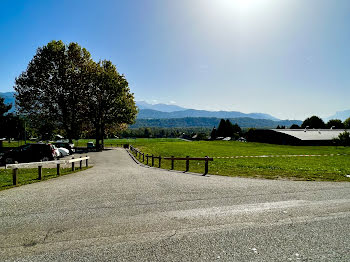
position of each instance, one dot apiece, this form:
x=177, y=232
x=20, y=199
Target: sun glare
x=243, y=7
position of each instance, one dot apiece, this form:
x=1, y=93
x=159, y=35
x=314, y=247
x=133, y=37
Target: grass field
x=30, y=175
x=323, y=168
x=320, y=168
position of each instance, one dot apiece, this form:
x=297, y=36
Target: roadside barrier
x=263, y=156
x=141, y=156
x=39, y=165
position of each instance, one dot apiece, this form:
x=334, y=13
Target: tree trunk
x=102, y=135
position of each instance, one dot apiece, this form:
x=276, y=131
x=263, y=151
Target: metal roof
x=311, y=134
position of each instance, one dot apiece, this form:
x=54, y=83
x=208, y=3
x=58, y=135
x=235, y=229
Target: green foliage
x=64, y=89
x=3, y=107
x=53, y=88
x=343, y=139
x=10, y=124
x=335, y=123
x=294, y=126
x=313, y=122
x=209, y=122
x=226, y=129
x=213, y=134
x=162, y=132
x=221, y=132
x=347, y=123
x=110, y=100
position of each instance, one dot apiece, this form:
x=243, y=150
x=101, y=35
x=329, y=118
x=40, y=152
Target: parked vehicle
x=57, y=152
x=69, y=146
x=29, y=153
x=63, y=151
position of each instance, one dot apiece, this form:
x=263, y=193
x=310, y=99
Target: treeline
x=317, y=123
x=155, y=132
x=225, y=129
x=209, y=122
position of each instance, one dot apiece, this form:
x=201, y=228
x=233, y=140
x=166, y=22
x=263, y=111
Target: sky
x=289, y=58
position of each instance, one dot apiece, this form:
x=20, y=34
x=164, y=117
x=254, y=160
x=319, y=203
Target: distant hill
x=342, y=115
x=159, y=107
x=155, y=114
x=9, y=99
x=210, y=122
x=147, y=111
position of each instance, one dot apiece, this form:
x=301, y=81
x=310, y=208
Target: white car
x=56, y=152
x=63, y=151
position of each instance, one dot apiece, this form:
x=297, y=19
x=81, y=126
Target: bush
x=343, y=139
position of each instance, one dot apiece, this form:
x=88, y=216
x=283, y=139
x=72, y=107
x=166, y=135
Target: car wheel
x=9, y=160
x=45, y=158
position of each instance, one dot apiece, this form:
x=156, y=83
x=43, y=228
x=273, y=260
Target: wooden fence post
x=87, y=162
x=159, y=163
x=143, y=157
x=187, y=164
x=14, y=176
x=172, y=162
x=147, y=159
x=58, y=169
x=152, y=160
x=40, y=172
x=73, y=164
x=206, y=166
x=81, y=164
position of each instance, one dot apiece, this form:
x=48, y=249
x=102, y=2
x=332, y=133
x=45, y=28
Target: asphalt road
x=121, y=211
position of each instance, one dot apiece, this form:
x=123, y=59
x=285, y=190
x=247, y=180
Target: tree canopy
x=227, y=129
x=64, y=89
x=335, y=123
x=313, y=122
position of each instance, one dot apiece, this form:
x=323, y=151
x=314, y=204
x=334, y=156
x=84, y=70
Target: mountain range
x=161, y=111
x=173, y=115
x=342, y=115
x=159, y=107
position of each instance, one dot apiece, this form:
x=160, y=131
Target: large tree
x=335, y=123
x=53, y=90
x=313, y=122
x=111, y=103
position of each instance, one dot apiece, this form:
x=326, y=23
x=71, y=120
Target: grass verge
x=30, y=175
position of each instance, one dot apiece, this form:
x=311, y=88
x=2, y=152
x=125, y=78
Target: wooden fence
x=149, y=160
x=39, y=165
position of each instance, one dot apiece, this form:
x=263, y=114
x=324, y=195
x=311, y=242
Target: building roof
x=311, y=134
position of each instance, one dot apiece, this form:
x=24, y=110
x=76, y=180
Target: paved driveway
x=121, y=211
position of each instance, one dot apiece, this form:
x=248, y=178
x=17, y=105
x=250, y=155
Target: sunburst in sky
x=288, y=58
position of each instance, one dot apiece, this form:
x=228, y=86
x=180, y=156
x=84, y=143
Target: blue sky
x=288, y=58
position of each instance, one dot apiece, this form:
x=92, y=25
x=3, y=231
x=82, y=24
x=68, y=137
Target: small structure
x=306, y=137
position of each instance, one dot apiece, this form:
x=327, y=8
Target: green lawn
x=30, y=175
x=324, y=168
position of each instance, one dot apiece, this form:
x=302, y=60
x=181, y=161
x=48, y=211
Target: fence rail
x=40, y=165
x=141, y=156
